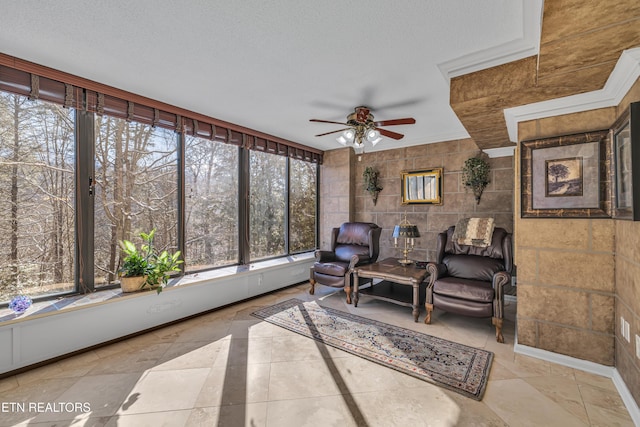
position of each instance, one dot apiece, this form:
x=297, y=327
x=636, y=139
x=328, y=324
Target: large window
x=36, y=197
x=268, y=183
x=211, y=204
x=302, y=205
x=82, y=169
x=136, y=176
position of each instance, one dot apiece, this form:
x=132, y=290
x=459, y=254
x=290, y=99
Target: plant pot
x=374, y=196
x=133, y=283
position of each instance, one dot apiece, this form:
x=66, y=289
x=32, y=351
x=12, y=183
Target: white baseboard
x=591, y=367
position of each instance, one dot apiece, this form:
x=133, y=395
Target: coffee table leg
x=416, y=301
x=356, y=281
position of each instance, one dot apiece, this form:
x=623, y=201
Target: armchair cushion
x=346, y=252
x=472, y=267
x=495, y=250
x=355, y=233
x=335, y=268
x=465, y=289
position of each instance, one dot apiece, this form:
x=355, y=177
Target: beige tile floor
x=227, y=368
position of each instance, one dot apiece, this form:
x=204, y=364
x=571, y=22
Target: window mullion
x=243, y=206
x=85, y=150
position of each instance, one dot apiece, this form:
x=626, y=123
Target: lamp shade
x=405, y=231
x=346, y=137
x=373, y=136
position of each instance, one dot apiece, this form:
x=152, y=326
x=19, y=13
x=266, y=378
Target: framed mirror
x=626, y=164
x=422, y=186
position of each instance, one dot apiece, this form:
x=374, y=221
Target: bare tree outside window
x=37, y=188
x=302, y=205
x=267, y=204
x=211, y=204
x=136, y=176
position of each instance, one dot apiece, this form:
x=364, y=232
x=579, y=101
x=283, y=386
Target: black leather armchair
x=352, y=244
x=468, y=279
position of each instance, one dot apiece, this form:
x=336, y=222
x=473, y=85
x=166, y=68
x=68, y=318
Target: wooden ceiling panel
x=581, y=42
x=486, y=139
x=501, y=79
x=579, y=81
x=567, y=18
x=592, y=48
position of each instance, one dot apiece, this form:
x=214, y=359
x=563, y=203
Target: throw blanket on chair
x=474, y=232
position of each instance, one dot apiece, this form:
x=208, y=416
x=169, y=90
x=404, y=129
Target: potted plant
x=475, y=174
x=371, y=183
x=145, y=267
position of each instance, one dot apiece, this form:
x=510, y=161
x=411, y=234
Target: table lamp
x=409, y=232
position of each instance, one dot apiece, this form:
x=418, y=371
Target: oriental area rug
x=438, y=361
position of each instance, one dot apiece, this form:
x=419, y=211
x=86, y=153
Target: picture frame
x=422, y=186
x=566, y=176
x=625, y=134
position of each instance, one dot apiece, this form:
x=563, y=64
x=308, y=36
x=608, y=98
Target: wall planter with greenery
x=371, y=184
x=475, y=175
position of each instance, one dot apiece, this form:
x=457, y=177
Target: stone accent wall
x=566, y=291
x=627, y=267
x=497, y=199
x=577, y=277
x=337, y=195
x=628, y=302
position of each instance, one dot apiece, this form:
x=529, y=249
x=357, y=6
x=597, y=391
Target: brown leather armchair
x=468, y=279
x=352, y=244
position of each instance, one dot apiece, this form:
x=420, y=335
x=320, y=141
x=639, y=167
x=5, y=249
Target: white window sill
x=49, y=307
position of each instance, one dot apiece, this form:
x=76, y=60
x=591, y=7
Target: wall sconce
x=409, y=232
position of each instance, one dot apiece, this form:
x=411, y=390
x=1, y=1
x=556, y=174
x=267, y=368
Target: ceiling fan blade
x=406, y=121
x=390, y=134
x=327, y=121
x=335, y=131
x=405, y=103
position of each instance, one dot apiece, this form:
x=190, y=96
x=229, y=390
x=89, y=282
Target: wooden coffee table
x=392, y=273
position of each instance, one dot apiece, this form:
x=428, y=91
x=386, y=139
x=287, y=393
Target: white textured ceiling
x=273, y=65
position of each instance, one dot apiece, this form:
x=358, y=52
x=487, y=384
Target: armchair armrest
x=500, y=279
x=435, y=272
x=355, y=259
x=325, y=256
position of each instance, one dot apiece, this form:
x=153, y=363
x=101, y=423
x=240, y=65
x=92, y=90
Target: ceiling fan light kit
x=362, y=128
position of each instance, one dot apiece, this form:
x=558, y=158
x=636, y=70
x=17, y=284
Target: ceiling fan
x=361, y=128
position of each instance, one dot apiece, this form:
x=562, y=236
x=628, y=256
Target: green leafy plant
x=135, y=263
x=146, y=261
x=371, y=184
x=161, y=267
x=475, y=174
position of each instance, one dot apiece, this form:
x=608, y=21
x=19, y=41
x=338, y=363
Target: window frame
x=89, y=99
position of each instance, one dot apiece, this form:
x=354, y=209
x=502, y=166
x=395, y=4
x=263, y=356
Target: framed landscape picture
x=566, y=176
x=626, y=164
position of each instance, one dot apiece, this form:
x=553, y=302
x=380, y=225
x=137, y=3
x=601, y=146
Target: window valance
x=39, y=82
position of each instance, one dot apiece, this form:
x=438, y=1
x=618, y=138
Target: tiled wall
x=337, y=194
x=628, y=286
x=566, y=286
x=497, y=199
x=566, y=267
x=578, y=277
x=628, y=302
